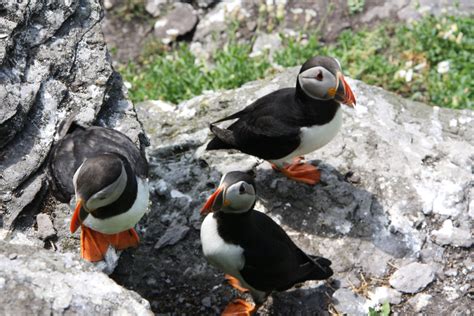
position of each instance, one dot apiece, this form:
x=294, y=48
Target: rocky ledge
x=393, y=210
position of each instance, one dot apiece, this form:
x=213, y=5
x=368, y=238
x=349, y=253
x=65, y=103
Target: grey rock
x=178, y=22
x=266, y=44
x=450, y=235
x=45, y=226
x=420, y=301
x=44, y=282
x=173, y=234
x=412, y=278
x=47, y=76
x=347, y=302
x=154, y=6
x=206, y=301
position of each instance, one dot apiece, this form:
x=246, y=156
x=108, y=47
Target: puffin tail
x=94, y=245
x=322, y=268
x=224, y=139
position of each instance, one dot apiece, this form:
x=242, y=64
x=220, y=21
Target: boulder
x=391, y=177
x=43, y=282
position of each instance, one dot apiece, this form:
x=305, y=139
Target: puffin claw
x=300, y=171
x=239, y=307
x=235, y=283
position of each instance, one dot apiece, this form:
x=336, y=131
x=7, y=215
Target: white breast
x=124, y=221
x=225, y=256
x=315, y=137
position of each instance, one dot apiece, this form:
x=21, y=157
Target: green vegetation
x=355, y=6
x=429, y=61
x=384, y=310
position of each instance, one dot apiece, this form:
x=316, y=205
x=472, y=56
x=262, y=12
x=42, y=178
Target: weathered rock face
x=47, y=283
x=395, y=172
x=54, y=64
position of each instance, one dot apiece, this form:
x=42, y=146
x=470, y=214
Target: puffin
x=287, y=124
x=252, y=250
x=107, y=175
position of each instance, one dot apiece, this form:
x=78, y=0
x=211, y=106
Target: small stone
x=412, y=278
x=206, y=301
x=450, y=235
x=385, y=294
x=12, y=256
x=349, y=303
x=420, y=301
x=45, y=226
x=173, y=234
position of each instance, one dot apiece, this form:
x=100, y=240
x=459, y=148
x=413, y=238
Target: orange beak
x=344, y=93
x=76, y=219
x=207, y=208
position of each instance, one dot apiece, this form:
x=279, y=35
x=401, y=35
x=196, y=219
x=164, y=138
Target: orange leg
x=301, y=172
x=239, y=307
x=94, y=244
x=235, y=283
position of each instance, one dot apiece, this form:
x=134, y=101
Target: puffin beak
x=344, y=93
x=76, y=217
x=214, y=202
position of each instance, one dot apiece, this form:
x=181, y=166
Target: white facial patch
x=240, y=197
x=316, y=82
x=109, y=194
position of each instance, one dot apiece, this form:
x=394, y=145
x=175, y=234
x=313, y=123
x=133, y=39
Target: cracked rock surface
x=397, y=170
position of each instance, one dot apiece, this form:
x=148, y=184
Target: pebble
x=412, y=278
x=206, y=301
x=420, y=301
x=45, y=227
x=347, y=302
x=173, y=234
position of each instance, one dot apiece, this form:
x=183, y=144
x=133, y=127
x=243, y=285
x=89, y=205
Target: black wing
x=274, y=262
x=71, y=151
x=268, y=128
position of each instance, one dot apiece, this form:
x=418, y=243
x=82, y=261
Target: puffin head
x=235, y=194
x=321, y=78
x=98, y=182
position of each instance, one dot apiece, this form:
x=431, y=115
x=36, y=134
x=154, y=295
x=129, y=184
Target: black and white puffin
x=252, y=250
x=107, y=174
x=286, y=124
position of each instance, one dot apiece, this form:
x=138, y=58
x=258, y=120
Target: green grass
x=384, y=56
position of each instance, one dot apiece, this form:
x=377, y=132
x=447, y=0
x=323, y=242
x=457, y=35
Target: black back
x=270, y=127
x=71, y=151
x=272, y=260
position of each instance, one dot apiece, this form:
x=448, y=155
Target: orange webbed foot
x=235, y=283
x=239, y=307
x=94, y=244
x=300, y=171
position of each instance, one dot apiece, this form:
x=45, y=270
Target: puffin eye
x=319, y=76
x=242, y=189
